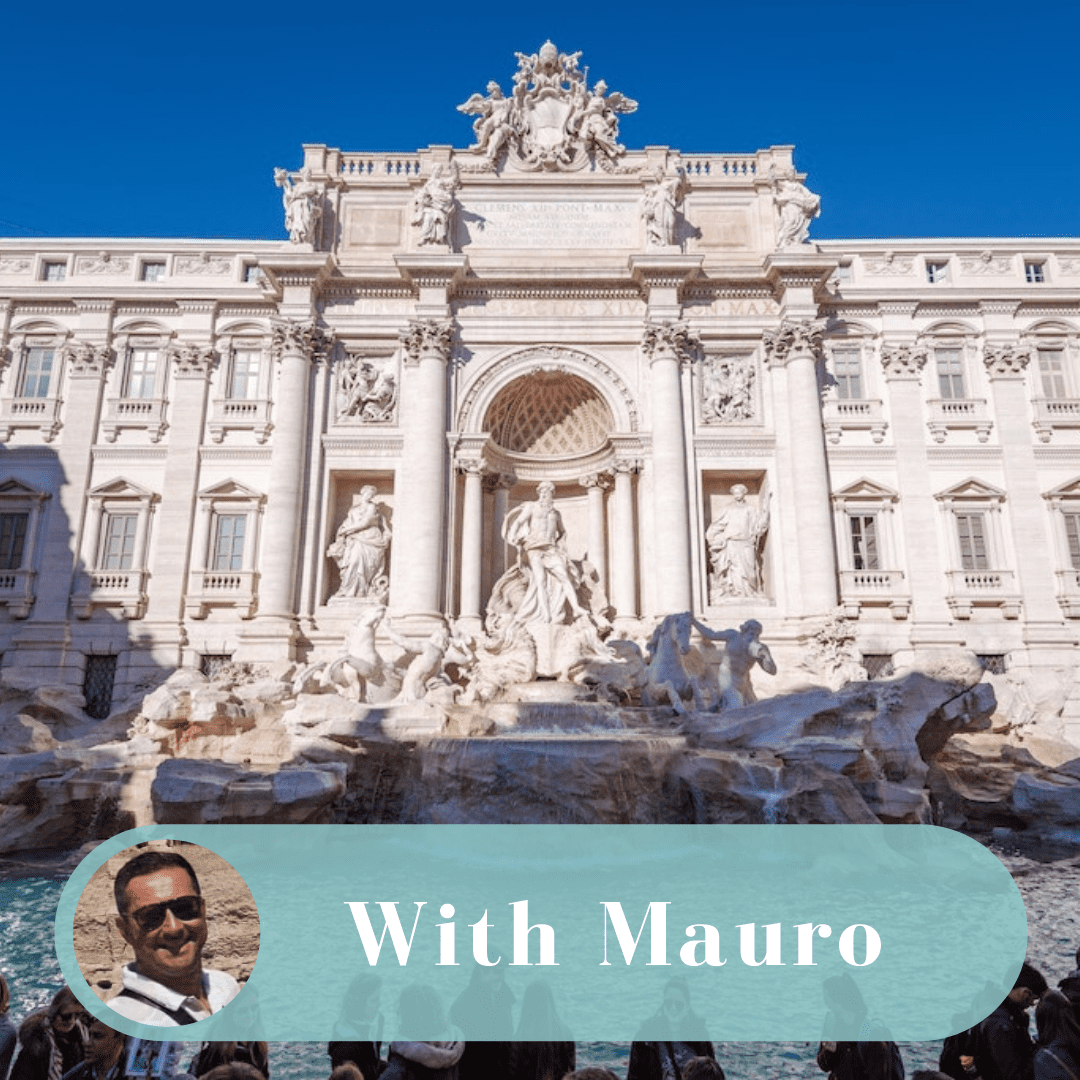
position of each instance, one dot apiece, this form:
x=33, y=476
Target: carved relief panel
x=366, y=388
x=728, y=385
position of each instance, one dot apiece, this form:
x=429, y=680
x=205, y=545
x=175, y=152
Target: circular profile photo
x=166, y=933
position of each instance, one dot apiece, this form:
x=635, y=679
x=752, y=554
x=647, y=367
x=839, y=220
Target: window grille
x=210, y=664
x=98, y=680
x=878, y=665
x=54, y=271
x=1034, y=273
x=153, y=271
x=994, y=663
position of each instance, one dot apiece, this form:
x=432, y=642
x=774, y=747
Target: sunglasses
x=185, y=908
x=67, y=1017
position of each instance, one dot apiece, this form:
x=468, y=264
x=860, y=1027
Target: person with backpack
x=1002, y=1047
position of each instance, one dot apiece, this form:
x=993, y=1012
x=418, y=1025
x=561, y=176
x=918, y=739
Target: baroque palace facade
x=220, y=449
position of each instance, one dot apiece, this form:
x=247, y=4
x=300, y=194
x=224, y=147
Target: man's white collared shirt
x=220, y=988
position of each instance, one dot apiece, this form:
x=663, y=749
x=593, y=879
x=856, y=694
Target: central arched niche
x=549, y=414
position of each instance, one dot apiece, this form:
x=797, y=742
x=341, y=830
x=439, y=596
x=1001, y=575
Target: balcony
x=240, y=414
x=959, y=414
x=969, y=589
x=146, y=413
x=222, y=588
x=17, y=592
x=123, y=589
x=1051, y=413
x=1069, y=593
x=874, y=588
x=847, y=414
x=42, y=413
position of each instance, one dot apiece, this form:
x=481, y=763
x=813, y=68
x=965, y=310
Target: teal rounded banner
x=924, y=923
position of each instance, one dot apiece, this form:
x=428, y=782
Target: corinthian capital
x=1006, y=360
x=192, y=361
x=793, y=337
x=86, y=359
x=306, y=339
x=903, y=361
x=427, y=337
x=669, y=340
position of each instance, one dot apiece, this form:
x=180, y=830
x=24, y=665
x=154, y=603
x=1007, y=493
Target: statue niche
x=548, y=603
x=360, y=549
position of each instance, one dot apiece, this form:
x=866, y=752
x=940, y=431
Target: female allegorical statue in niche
x=734, y=541
x=359, y=548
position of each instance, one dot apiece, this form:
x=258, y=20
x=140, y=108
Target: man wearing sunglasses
x=162, y=916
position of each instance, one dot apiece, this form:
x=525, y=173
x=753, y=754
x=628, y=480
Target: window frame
x=1063, y=505
x=123, y=587
x=153, y=384
x=253, y=413
x=17, y=582
x=109, y=557
x=54, y=270
x=216, y=556
x=255, y=382
x=1035, y=271
x=938, y=271
x=128, y=411
x=883, y=585
x=211, y=586
x=41, y=411
x=160, y=268
x=959, y=376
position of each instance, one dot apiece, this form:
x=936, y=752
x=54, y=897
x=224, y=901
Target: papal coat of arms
x=552, y=119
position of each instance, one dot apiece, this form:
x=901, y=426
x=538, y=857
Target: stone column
x=416, y=572
x=1006, y=365
x=624, y=553
x=472, y=536
x=666, y=346
x=297, y=344
x=796, y=346
x=596, y=484
x=499, y=484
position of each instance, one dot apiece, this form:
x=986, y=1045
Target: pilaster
x=903, y=362
x=1006, y=366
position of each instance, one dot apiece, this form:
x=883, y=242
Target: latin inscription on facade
x=550, y=224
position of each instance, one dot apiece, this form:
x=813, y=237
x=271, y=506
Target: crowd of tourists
x=62, y=1041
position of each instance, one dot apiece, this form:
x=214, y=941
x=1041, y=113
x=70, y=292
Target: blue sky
x=950, y=118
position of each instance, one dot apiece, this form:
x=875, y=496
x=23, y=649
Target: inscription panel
x=541, y=307
x=534, y=224
x=372, y=226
